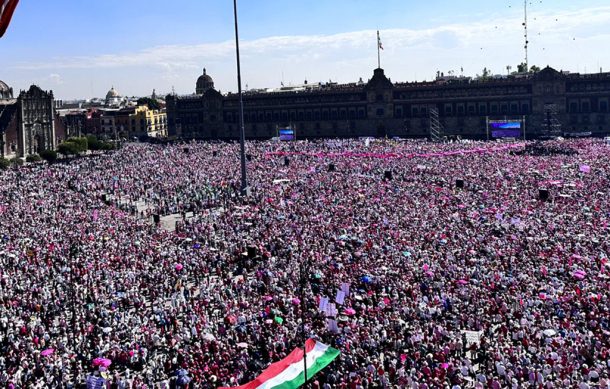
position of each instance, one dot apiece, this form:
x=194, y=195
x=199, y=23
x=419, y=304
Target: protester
x=418, y=283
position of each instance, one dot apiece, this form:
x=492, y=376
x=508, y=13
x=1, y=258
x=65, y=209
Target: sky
x=81, y=48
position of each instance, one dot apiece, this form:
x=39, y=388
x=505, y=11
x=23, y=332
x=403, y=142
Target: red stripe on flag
x=6, y=13
x=274, y=369
x=309, y=345
x=278, y=367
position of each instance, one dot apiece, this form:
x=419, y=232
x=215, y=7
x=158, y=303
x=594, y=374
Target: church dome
x=204, y=83
x=5, y=91
x=112, y=93
x=113, y=98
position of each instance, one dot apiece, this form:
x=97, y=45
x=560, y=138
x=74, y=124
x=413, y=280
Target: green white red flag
x=289, y=372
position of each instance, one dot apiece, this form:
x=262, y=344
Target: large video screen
x=505, y=129
x=505, y=125
x=287, y=134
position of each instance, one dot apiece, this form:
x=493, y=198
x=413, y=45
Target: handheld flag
x=289, y=373
x=7, y=7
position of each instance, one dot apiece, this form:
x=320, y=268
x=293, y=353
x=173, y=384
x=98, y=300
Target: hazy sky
x=80, y=48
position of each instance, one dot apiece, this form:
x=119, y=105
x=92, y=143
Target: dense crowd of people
x=418, y=282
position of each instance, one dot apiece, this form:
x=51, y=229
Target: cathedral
x=27, y=122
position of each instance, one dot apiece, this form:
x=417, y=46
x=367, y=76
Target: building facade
x=550, y=103
x=149, y=122
x=113, y=123
x=27, y=123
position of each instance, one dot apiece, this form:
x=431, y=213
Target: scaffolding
x=552, y=122
x=436, y=128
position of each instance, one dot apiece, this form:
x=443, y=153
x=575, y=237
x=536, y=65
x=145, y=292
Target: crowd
x=419, y=283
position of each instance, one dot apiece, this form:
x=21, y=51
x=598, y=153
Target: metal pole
x=524, y=127
x=73, y=251
x=525, y=35
x=378, y=55
x=487, y=127
x=242, y=139
x=303, y=307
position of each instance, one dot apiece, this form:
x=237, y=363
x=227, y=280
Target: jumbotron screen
x=505, y=129
x=287, y=134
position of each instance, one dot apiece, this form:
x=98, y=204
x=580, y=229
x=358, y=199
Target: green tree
x=534, y=69
x=107, y=146
x=17, y=161
x=486, y=74
x=49, y=155
x=93, y=143
x=81, y=143
x=522, y=68
x=151, y=103
x=33, y=158
x=68, y=148
x=4, y=163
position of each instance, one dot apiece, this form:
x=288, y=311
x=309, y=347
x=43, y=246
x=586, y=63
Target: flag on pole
x=7, y=7
x=379, y=41
x=288, y=373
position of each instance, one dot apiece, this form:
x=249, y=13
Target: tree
x=534, y=69
x=49, y=155
x=33, y=158
x=96, y=144
x=486, y=73
x=93, y=143
x=68, y=148
x=151, y=103
x=107, y=146
x=4, y=163
x=81, y=143
x=522, y=68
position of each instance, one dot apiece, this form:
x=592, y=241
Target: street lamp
x=242, y=139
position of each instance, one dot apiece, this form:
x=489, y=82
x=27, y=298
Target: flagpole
x=242, y=137
x=378, y=54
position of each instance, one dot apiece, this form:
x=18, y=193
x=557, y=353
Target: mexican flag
x=288, y=373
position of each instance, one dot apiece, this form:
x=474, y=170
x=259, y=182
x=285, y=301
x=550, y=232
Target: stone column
x=21, y=132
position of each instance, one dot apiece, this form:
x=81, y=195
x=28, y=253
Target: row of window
x=406, y=111
x=461, y=109
x=586, y=119
x=36, y=105
x=585, y=106
x=451, y=93
x=448, y=109
x=292, y=100
x=309, y=115
x=583, y=87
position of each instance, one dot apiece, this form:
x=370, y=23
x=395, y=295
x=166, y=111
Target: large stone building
x=551, y=102
x=27, y=122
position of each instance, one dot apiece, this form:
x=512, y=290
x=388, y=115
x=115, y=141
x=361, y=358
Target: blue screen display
x=286, y=134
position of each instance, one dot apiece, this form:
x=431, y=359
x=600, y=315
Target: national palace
x=550, y=102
